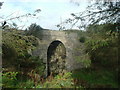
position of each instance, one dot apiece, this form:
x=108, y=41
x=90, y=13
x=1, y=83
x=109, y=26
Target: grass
x=96, y=79
x=60, y=81
x=84, y=78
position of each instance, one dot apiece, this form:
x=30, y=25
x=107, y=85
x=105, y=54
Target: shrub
x=60, y=81
x=9, y=79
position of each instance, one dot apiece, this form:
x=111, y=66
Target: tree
x=99, y=12
x=1, y=3
x=34, y=27
x=35, y=30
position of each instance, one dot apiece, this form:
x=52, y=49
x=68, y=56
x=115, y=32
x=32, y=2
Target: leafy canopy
x=98, y=12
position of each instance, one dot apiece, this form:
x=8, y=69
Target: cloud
x=36, y=0
x=51, y=11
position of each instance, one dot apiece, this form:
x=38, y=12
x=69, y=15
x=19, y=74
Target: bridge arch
x=56, y=55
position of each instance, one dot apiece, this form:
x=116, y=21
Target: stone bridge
x=58, y=50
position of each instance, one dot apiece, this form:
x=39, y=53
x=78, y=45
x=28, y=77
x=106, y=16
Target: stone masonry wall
x=70, y=42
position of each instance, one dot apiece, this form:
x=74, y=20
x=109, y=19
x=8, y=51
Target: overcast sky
x=52, y=11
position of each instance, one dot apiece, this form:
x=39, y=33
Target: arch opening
x=56, y=55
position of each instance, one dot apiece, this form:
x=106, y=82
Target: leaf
x=73, y=14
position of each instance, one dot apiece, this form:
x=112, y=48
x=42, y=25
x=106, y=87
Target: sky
x=52, y=12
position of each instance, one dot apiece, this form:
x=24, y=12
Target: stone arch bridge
x=67, y=44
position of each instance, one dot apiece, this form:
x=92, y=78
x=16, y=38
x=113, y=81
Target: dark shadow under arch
x=56, y=54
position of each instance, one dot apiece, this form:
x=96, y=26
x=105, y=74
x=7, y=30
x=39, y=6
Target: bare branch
x=95, y=14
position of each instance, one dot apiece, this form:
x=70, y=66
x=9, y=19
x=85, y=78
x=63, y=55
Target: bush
x=9, y=79
x=60, y=81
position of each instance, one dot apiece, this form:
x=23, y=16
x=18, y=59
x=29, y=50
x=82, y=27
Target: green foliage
x=103, y=44
x=102, y=28
x=96, y=12
x=25, y=84
x=103, y=51
x=96, y=44
x=11, y=75
x=102, y=48
x=9, y=79
x=84, y=60
x=17, y=48
x=34, y=26
x=100, y=78
x=35, y=30
x=60, y=81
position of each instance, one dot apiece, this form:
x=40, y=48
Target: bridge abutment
x=45, y=51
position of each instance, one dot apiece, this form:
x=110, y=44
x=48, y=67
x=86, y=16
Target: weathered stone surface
x=62, y=56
